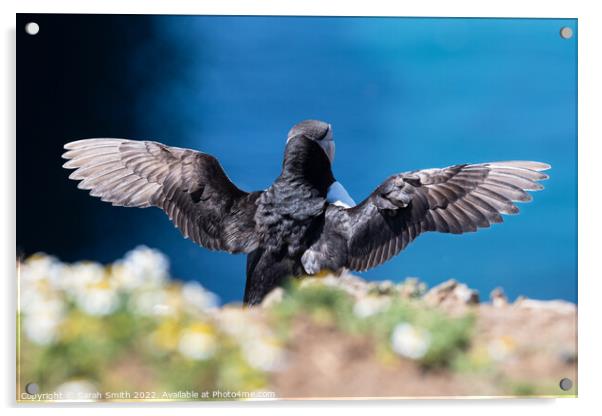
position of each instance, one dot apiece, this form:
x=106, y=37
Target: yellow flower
x=78, y=324
x=166, y=335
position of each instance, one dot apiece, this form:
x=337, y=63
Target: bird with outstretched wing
x=305, y=221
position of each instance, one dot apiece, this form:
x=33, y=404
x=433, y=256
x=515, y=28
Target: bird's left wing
x=456, y=199
x=190, y=186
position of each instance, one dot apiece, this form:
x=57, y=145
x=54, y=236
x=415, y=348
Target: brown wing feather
x=190, y=186
x=456, y=199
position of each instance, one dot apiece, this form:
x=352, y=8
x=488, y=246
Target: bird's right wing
x=456, y=199
x=190, y=186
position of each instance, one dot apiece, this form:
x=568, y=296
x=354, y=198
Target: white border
x=590, y=202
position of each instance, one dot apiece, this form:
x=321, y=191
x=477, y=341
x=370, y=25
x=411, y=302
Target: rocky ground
x=522, y=348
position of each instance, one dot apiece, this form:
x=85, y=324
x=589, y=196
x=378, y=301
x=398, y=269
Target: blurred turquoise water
x=401, y=94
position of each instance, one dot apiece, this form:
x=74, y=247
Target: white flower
x=42, y=309
x=142, y=266
x=231, y=319
x=98, y=301
x=409, y=341
x=32, y=299
x=237, y=323
x=197, y=298
x=197, y=345
x=38, y=268
x=370, y=305
x=41, y=321
x=42, y=318
x=153, y=302
x=264, y=354
x=258, y=346
x=92, y=289
x=80, y=276
x=41, y=330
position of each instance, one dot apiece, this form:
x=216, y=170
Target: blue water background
x=401, y=94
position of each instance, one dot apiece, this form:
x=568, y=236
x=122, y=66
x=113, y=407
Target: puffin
x=305, y=223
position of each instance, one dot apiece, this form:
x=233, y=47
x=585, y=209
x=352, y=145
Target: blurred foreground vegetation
x=130, y=331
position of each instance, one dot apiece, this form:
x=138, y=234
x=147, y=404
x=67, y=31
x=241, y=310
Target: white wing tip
x=523, y=164
x=75, y=144
x=81, y=143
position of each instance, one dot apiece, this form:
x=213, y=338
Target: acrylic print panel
x=398, y=268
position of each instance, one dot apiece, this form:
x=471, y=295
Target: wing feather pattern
x=190, y=186
x=457, y=199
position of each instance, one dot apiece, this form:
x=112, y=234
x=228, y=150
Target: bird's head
x=318, y=131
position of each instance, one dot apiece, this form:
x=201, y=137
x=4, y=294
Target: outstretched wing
x=191, y=187
x=456, y=199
